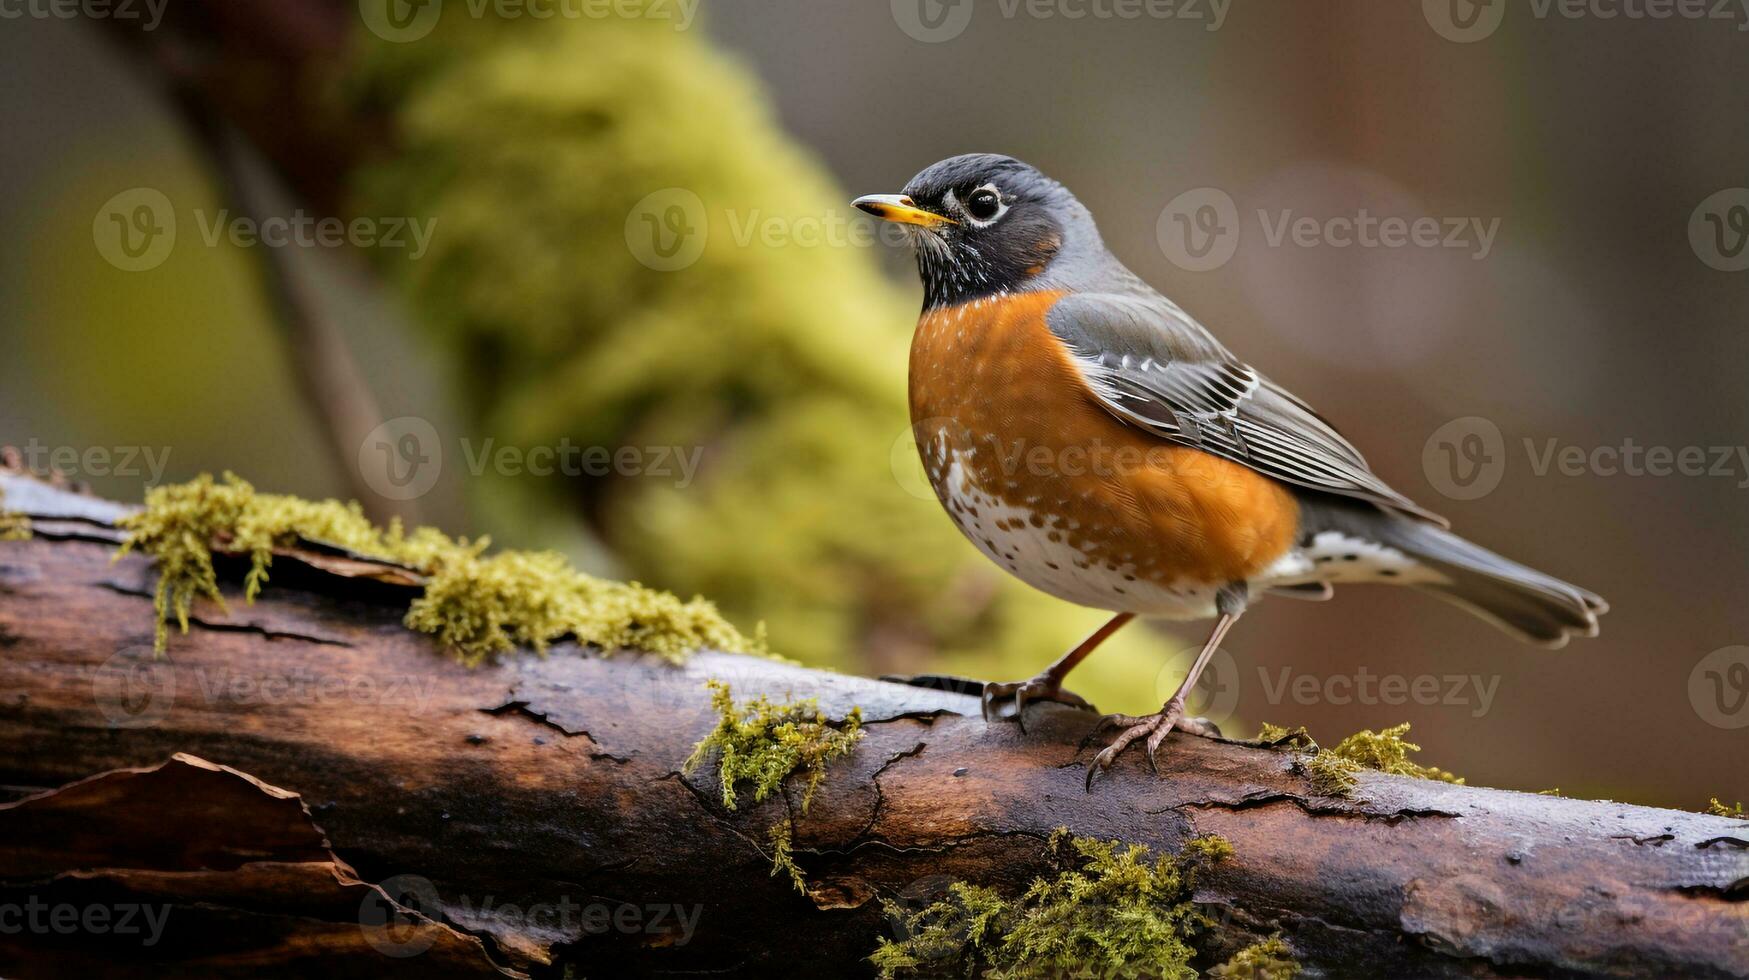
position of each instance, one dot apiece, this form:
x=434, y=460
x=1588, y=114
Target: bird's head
x=984, y=224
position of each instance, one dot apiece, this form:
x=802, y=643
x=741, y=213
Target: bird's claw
x=1156, y=727
x=1041, y=688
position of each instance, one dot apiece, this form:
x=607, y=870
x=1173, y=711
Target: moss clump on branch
x=1388, y=751
x=1271, y=733
x=1270, y=959
x=13, y=527
x=1106, y=912
x=762, y=743
x=1331, y=775
x=1717, y=809
x=1332, y=770
x=478, y=605
x=1275, y=736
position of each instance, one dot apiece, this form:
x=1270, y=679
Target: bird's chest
x=988, y=372
x=1055, y=490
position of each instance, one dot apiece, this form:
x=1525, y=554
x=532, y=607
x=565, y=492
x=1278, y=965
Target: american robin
x=1093, y=439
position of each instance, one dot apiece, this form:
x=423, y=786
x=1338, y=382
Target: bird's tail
x=1525, y=602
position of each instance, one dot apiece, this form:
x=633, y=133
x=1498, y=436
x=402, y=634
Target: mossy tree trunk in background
x=497, y=798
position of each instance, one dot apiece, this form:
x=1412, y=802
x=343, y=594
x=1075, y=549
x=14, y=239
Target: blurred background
x=590, y=282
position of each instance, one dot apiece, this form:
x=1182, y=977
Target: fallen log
x=353, y=798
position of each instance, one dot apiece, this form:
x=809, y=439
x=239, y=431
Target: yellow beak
x=898, y=207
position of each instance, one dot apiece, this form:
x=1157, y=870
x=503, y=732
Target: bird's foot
x=1155, y=727
x=1044, y=687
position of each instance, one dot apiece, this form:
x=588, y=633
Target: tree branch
x=512, y=792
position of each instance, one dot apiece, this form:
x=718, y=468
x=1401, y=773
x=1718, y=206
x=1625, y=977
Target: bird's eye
x=984, y=204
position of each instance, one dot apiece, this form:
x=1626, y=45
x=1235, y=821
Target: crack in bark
x=1315, y=810
x=1736, y=842
x=944, y=845
x=1652, y=840
x=254, y=629
x=706, y=804
x=262, y=631
x=521, y=709
x=929, y=717
x=1736, y=891
x=53, y=530
x=881, y=794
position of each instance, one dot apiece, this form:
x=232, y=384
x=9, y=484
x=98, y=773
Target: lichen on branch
x=1107, y=911
x=478, y=605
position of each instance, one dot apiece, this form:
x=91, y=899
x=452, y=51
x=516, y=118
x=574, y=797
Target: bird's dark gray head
x=984, y=224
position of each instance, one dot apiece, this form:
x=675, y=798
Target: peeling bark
x=201, y=869
x=494, y=799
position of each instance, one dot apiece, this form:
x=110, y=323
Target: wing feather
x=1152, y=366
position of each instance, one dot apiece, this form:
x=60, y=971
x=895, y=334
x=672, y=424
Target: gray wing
x=1151, y=365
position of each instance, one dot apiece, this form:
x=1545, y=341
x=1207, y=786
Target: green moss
x=783, y=859
x=1717, y=809
x=1332, y=771
x=488, y=605
x=1331, y=775
x=1107, y=911
x=948, y=937
x=1387, y=751
x=13, y=527
x=1275, y=736
x=477, y=605
x=762, y=743
x=1270, y=959
x=1271, y=733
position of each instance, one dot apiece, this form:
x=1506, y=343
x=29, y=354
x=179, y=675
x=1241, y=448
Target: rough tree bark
x=496, y=798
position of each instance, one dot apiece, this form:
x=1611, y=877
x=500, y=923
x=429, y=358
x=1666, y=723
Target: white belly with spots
x=1012, y=537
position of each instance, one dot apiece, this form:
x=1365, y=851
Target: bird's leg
x=1230, y=602
x=1048, y=685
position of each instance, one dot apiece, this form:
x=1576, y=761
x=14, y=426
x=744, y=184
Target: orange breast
x=993, y=390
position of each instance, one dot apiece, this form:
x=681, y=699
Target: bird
x=1097, y=442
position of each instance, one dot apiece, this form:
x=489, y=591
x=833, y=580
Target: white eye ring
x=1001, y=207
